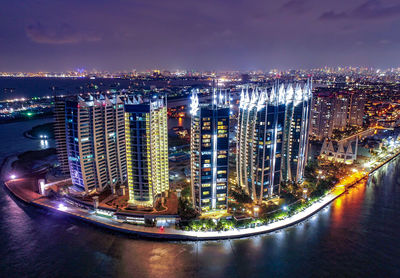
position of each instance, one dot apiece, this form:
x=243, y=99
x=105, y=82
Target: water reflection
x=180, y=121
x=44, y=144
x=19, y=143
x=356, y=236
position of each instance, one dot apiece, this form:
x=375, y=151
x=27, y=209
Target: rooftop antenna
x=214, y=96
x=54, y=92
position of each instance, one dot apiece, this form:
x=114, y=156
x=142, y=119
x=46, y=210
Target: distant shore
x=24, y=119
x=37, y=131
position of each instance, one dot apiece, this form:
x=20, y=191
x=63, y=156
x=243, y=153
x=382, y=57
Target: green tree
x=240, y=195
x=186, y=210
x=186, y=192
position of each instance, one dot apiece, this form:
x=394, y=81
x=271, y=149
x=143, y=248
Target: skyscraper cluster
x=336, y=111
x=272, y=138
x=110, y=141
x=272, y=143
x=107, y=141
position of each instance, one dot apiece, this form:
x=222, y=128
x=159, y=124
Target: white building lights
x=209, y=152
x=194, y=103
x=272, y=137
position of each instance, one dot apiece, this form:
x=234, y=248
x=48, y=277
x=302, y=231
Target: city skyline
x=211, y=35
x=205, y=138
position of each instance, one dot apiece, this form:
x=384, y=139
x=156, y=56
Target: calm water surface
x=357, y=236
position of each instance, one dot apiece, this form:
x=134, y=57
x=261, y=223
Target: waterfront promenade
x=167, y=233
x=21, y=188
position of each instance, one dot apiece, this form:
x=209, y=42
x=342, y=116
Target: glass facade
x=147, y=149
x=60, y=135
x=95, y=139
x=272, y=138
x=209, y=153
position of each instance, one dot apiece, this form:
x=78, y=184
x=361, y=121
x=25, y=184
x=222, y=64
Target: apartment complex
x=95, y=139
x=209, y=152
x=332, y=110
x=272, y=138
x=60, y=135
x=146, y=149
x=357, y=108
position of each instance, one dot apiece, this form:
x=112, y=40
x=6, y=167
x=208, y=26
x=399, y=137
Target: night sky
x=56, y=35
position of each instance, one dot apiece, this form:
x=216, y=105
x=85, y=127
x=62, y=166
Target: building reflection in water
x=353, y=199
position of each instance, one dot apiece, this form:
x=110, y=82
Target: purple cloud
x=295, y=6
x=332, y=15
x=376, y=9
x=371, y=9
x=57, y=34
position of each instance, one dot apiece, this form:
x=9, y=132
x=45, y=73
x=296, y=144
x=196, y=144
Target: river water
x=356, y=236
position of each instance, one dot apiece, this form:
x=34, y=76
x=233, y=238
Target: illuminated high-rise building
x=322, y=113
x=336, y=110
x=272, y=138
x=341, y=110
x=209, y=152
x=357, y=108
x=147, y=149
x=95, y=136
x=60, y=135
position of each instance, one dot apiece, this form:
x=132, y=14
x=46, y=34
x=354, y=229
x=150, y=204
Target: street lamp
x=62, y=207
x=256, y=210
x=305, y=193
x=285, y=207
x=13, y=177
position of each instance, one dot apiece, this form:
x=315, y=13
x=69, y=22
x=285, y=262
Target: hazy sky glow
x=58, y=35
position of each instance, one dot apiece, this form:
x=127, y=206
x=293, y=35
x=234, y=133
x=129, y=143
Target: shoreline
x=172, y=233
x=18, y=120
x=175, y=234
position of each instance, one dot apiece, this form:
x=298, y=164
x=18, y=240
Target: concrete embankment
x=384, y=163
x=24, y=191
x=37, y=200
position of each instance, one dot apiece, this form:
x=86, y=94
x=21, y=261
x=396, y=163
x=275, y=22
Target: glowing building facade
x=95, y=137
x=272, y=138
x=209, y=152
x=336, y=110
x=341, y=110
x=322, y=115
x=356, y=109
x=60, y=135
x=147, y=149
